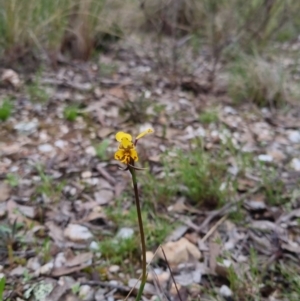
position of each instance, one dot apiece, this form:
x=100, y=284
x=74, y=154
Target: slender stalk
x=141, y=228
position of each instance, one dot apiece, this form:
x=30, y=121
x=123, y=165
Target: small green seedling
x=12, y=180
x=117, y=250
x=2, y=286
x=5, y=109
x=101, y=149
x=75, y=288
x=208, y=117
x=71, y=112
x=36, y=93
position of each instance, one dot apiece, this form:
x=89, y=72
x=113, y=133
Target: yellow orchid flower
x=126, y=155
x=125, y=140
x=127, y=152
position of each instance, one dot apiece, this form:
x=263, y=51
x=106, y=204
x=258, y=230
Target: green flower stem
x=140, y=221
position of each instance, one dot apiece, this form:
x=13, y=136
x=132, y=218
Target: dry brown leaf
x=245, y=184
x=104, y=132
x=14, y=214
x=103, y=196
x=28, y=211
x=62, y=271
x=4, y=192
x=57, y=292
x=214, y=251
x=79, y=259
x=95, y=216
x=118, y=92
x=179, y=251
x=55, y=232
x=77, y=233
x=11, y=77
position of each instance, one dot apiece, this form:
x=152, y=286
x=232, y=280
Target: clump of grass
x=12, y=180
x=73, y=26
x=209, y=116
x=202, y=177
x=10, y=239
x=107, y=70
x=71, y=112
x=222, y=29
x=156, y=226
x=117, y=250
x=290, y=274
x=36, y=92
x=5, y=109
x=158, y=191
x=273, y=186
x=259, y=81
x=136, y=110
x=101, y=149
x=47, y=185
x=224, y=22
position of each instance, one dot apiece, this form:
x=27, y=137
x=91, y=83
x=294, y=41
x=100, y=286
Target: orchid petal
x=142, y=134
x=121, y=135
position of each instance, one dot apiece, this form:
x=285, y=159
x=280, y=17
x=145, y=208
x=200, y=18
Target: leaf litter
x=58, y=190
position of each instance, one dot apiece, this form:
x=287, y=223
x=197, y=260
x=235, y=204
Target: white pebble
x=225, y=291
x=295, y=163
x=265, y=158
x=45, y=148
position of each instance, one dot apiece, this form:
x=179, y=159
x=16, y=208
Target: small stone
x=149, y=256
x=295, y=164
x=227, y=263
x=33, y=264
x=255, y=205
x=60, y=144
x=72, y=191
x=242, y=258
x=294, y=136
x=100, y=294
x=10, y=76
x=2, y=212
x=114, y=268
x=2, y=275
x=4, y=191
x=46, y=268
x=26, y=127
x=94, y=246
x=277, y=155
x=86, y=293
x=104, y=196
x=162, y=277
x=125, y=233
x=77, y=233
x=86, y=174
x=229, y=110
x=265, y=158
x=90, y=151
x=174, y=289
x=103, y=184
x=225, y=291
x=60, y=260
x=66, y=281
x=179, y=251
x=18, y=271
x=45, y=148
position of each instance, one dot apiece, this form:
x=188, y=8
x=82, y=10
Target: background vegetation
x=247, y=51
